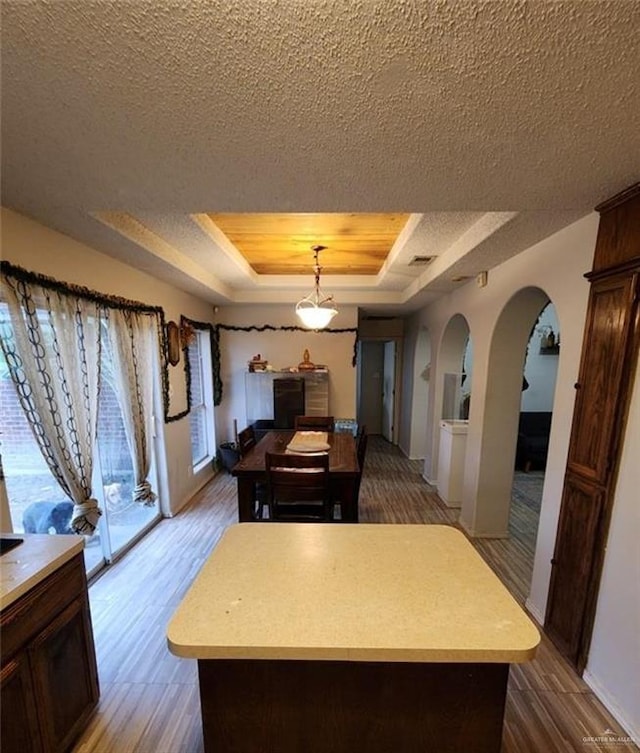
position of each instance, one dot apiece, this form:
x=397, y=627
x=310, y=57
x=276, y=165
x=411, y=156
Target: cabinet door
x=572, y=564
x=19, y=729
x=607, y=330
x=64, y=675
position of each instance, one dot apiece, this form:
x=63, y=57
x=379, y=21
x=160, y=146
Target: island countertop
x=38, y=556
x=388, y=593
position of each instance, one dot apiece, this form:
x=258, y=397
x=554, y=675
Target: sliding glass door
x=37, y=504
x=123, y=520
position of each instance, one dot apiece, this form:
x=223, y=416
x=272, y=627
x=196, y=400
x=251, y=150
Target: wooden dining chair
x=314, y=423
x=298, y=487
x=246, y=442
x=361, y=445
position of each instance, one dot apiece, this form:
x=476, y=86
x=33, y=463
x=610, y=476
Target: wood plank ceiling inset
x=280, y=244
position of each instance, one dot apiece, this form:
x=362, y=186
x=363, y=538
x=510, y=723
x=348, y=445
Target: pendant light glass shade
x=315, y=311
x=315, y=316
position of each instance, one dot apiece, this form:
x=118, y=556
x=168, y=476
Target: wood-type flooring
x=149, y=698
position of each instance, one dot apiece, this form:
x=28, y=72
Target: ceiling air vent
x=421, y=261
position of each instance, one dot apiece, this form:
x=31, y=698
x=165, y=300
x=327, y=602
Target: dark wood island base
x=276, y=706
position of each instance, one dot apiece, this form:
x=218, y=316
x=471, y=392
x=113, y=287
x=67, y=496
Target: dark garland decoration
x=117, y=302
x=165, y=382
x=215, y=346
x=215, y=357
x=166, y=400
x=215, y=363
x=108, y=301
x=111, y=301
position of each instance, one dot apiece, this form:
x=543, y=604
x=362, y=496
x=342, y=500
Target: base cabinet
x=49, y=682
x=20, y=725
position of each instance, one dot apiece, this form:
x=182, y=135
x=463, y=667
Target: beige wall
x=40, y=249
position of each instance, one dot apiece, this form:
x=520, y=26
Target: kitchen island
x=318, y=637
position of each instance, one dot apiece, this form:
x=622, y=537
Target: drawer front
x=34, y=611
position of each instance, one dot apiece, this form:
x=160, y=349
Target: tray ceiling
x=281, y=244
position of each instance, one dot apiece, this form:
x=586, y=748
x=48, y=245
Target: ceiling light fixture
x=316, y=310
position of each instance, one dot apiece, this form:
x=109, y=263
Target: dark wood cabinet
x=603, y=392
x=49, y=675
x=573, y=561
x=20, y=728
x=602, y=367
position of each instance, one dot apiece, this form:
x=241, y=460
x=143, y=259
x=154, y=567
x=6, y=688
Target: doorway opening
x=514, y=363
x=377, y=396
x=534, y=428
x=451, y=394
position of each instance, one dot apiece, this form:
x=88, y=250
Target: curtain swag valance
x=60, y=343
x=19, y=275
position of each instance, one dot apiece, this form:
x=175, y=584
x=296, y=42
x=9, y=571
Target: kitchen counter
x=38, y=556
x=333, y=626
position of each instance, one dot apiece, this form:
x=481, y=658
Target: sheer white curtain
x=133, y=342
x=52, y=346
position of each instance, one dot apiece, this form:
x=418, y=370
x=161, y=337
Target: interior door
x=371, y=364
x=388, y=390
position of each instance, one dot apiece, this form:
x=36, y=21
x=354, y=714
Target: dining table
x=343, y=472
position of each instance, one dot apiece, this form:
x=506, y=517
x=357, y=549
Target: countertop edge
x=414, y=656
x=61, y=554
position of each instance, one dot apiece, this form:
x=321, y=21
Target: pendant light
x=316, y=310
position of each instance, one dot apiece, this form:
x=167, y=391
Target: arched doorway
x=489, y=478
x=534, y=429
x=447, y=386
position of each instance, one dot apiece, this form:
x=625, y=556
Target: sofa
x=533, y=440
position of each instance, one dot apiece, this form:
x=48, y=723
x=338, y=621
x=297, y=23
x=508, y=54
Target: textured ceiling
x=492, y=123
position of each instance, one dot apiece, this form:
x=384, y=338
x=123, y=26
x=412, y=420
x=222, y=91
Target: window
x=201, y=415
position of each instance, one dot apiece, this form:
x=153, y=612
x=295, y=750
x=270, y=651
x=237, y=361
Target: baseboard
x=474, y=535
x=534, y=612
x=631, y=732
x=407, y=455
x=188, y=498
x=431, y=481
